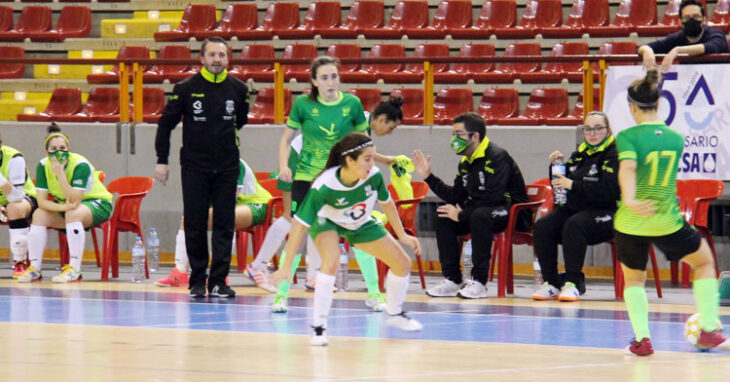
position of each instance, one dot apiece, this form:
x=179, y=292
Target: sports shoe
x=279, y=305
x=546, y=292
x=197, y=291
x=569, y=293
x=222, y=290
x=473, y=289
x=174, y=279
x=403, y=322
x=19, y=269
x=640, y=348
x=260, y=278
x=31, y=274
x=709, y=340
x=318, y=336
x=68, y=274
x=446, y=288
x=376, y=301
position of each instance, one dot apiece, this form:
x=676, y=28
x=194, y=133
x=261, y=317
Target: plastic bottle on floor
x=138, y=258
x=153, y=250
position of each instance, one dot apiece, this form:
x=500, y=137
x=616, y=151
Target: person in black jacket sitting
x=591, y=181
x=487, y=182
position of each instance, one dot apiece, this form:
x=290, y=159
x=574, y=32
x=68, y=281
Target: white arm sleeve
x=16, y=195
x=16, y=171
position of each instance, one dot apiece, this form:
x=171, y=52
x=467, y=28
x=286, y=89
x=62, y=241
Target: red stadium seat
x=556, y=71
x=262, y=72
x=237, y=17
x=12, y=70
x=508, y=71
x=630, y=14
x=370, y=97
x=668, y=24
x=412, y=105
x=74, y=21
x=363, y=15
x=158, y=73
x=195, y=18
x=6, y=18
x=450, y=103
x=279, y=17
x=372, y=72
x=112, y=76
x=346, y=51
x=262, y=110
x=538, y=14
x=300, y=72
x=101, y=102
x=543, y=103
x=32, y=19
x=64, y=101
x=411, y=15
x=576, y=116
x=414, y=72
x=583, y=14
x=321, y=15
x=494, y=14
x=498, y=103
x=461, y=72
x=721, y=16
x=450, y=15
x=153, y=104
x=616, y=47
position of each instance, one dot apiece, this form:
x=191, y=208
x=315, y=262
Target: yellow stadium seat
x=76, y=71
x=14, y=103
x=143, y=25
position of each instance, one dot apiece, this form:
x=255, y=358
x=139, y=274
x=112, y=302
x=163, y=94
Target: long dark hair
x=390, y=108
x=644, y=92
x=352, y=145
x=316, y=63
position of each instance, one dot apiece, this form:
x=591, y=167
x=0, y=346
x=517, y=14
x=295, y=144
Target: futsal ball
x=692, y=330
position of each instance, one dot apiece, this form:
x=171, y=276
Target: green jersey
x=656, y=149
x=323, y=124
x=347, y=206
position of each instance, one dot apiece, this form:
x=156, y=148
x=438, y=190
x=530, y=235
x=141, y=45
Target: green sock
x=638, y=306
x=369, y=268
x=707, y=299
x=285, y=285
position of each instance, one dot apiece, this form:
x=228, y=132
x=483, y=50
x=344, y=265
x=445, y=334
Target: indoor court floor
x=119, y=331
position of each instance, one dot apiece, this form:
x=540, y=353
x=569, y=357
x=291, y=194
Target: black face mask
x=692, y=28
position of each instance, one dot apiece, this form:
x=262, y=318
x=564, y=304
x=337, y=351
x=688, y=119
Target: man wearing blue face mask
x=695, y=38
x=488, y=181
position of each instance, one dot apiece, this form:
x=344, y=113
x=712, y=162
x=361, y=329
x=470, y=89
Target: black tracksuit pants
x=575, y=230
x=481, y=223
x=202, y=189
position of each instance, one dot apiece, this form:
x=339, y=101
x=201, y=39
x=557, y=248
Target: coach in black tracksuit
x=487, y=183
x=587, y=218
x=213, y=106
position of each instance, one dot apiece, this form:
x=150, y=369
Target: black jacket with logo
x=489, y=178
x=595, y=177
x=212, y=108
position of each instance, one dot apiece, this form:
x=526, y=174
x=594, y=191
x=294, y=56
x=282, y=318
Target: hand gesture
x=412, y=243
x=56, y=167
x=641, y=207
x=669, y=59
x=562, y=182
x=285, y=174
x=449, y=211
x=422, y=164
x=162, y=173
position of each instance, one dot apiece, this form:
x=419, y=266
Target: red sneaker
x=709, y=340
x=20, y=267
x=640, y=348
x=175, y=279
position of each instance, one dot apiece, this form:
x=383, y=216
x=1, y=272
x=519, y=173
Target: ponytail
x=352, y=145
x=644, y=92
x=390, y=108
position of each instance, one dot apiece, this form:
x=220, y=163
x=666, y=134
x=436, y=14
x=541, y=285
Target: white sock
x=76, y=239
x=396, y=289
x=181, y=252
x=314, y=261
x=274, y=237
x=19, y=243
x=37, y=237
x=323, y=298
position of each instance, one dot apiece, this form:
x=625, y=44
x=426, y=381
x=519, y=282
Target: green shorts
x=258, y=212
x=370, y=231
x=101, y=210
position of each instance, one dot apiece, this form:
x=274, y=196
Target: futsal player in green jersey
x=339, y=205
x=648, y=214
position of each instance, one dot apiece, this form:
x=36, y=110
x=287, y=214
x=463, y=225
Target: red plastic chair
x=695, y=196
x=450, y=15
x=414, y=72
x=412, y=105
x=369, y=97
x=499, y=103
x=64, y=101
x=346, y=51
x=630, y=14
x=407, y=15
x=195, y=18
x=667, y=25
x=74, y=21
x=157, y=73
x=583, y=14
x=300, y=72
x=6, y=18
x=556, y=71
x=538, y=14
x=450, y=103
x=262, y=110
x=101, y=102
x=461, y=72
x=495, y=14
x=576, y=116
x=363, y=16
x=543, y=103
x=279, y=17
x=721, y=16
x=263, y=72
x=32, y=19
x=320, y=16
x=237, y=17
x=509, y=71
x=112, y=76
x=153, y=104
x=125, y=218
x=12, y=70
x=274, y=209
x=407, y=211
x=372, y=72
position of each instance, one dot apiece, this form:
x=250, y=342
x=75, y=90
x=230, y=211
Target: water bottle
x=560, y=194
x=466, y=259
x=153, y=250
x=138, y=274
x=537, y=274
x=342, y=275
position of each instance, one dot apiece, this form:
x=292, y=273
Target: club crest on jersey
x=315, y=112
x=230, y=107
x=368, y=190
x=197, y=107
x=330, y=132
x=341, y=202
x=345, y=111
x=593, y=170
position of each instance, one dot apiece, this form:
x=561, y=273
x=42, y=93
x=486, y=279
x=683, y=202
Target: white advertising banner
x=695, y=100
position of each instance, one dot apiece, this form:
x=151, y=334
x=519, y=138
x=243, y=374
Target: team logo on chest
x=331, y=132
x=345, y=111
x=197, y=107
x=341, y=202
x=315, y=112
x=230, y=107
x=593, y=170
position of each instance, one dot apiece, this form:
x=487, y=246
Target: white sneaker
x=473, y=289
x=68, y=274
x=259, y=277
x=376, y=302
x=569, y=293
x=403, y=322
x=446, y=288
x=318, y=336
x=546, y=292
x=279, y=305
